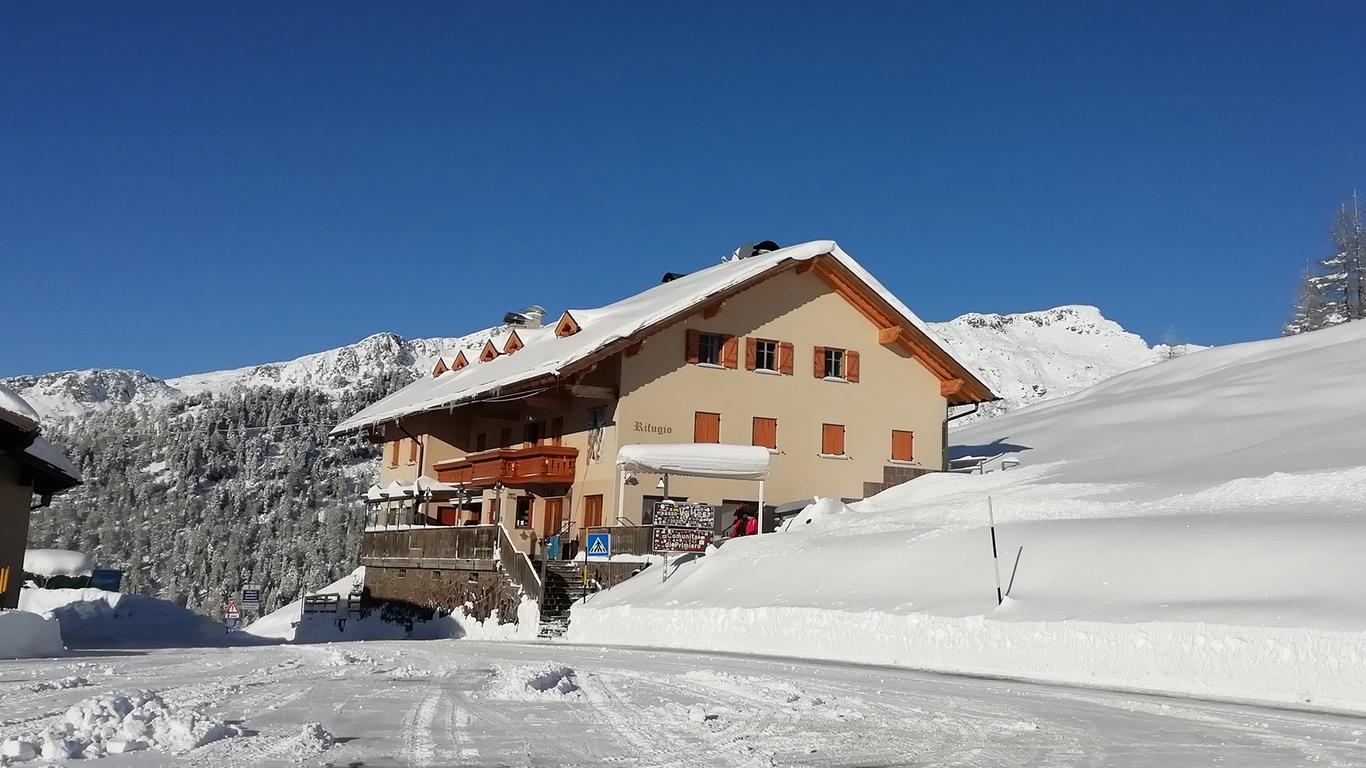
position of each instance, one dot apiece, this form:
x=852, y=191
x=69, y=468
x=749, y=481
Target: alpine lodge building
x=499, y=462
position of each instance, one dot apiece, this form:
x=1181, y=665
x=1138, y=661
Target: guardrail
x=628, y=539
x=465, y=542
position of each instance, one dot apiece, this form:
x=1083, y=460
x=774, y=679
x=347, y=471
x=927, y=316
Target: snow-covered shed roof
x=16, y=411
x=53, y=471
x=735, y=462
x=603, y=330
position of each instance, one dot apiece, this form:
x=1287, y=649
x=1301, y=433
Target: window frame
x=843, y=440
x=517, y=512
x=702, y=337
x=772, y=353
x=838, y=356
x=910, y=440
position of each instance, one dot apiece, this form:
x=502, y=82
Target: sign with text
x=680, y=539
x=251, y=594
x=684, y=514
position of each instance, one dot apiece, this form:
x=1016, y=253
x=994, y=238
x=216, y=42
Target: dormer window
x=459, y=361
x=567, y=326
x=440, y=368
x=513, y=344
x=489, y=352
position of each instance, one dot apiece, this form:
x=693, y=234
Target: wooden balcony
x=513, y=467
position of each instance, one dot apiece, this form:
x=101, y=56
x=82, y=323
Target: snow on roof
x=57, y=562
x=15, y=410
x=547, y=355
x=736, y=462
x=46, y=451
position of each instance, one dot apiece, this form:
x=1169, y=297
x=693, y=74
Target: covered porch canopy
x=726, y=462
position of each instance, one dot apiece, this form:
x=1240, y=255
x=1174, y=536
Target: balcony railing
x=513, y=467
x=428, y=547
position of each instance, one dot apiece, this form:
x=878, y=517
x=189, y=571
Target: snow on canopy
x=57, y=562
x=546, y=355
x=735, y=462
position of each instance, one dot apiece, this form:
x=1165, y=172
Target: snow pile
x=57, y=562
x=60, y=684
x=94, y=618
x=1192, y=527
x=820, y=510
x=289, y=623
x=118, y=723
x=313, y=738
x=535, y=682
x=25, y=635
x=15, y=410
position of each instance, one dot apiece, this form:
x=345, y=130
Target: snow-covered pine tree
x=1332, y=292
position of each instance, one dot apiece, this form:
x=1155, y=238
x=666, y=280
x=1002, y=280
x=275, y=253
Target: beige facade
x=650, y=393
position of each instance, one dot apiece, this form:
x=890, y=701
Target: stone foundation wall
x=894, y=474
x=477, y=590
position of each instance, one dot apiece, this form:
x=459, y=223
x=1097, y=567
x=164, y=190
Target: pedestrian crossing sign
x=599, y=546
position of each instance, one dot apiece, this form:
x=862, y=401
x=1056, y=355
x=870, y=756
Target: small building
x=799, y=350
x=31, y=467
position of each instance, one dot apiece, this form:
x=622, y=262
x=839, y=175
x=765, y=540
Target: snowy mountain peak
x=67, y=392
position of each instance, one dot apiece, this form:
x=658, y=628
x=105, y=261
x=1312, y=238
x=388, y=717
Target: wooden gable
x=459, y=361
x=567, y=326
x=440, y=368
x=489, y=352
x=513, y=344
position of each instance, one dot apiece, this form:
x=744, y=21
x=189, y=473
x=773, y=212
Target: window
x=393, y=453
x=763, y=355
x=481, y=442
x=533, y=432
x=766, y=432
x=592, y=511
x=832, y=363
x=711, y=349
x=413, y=447
x=706, y=427
x=832, y=439
x=557, y=430
x=903, y=444
x=523, y=512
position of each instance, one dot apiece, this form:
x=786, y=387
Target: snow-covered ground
x=1194, y=526
x=456, y=702
x=94, y=618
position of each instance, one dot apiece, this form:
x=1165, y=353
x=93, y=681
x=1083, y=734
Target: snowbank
x=25, y=635
x=94, y=618
x=57, y=562
x=119, y=723
x=289, y=624
x=1191, y=527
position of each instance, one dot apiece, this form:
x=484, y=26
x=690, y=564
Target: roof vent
x=746, y=250
x=669, y=277
x=530, y=317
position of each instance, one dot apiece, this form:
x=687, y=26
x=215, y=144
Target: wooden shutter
x=832, y=439
x=706, y=427
x=412, y=451
x=785, y=358
x=393, y=453
x=902, y=445
x=751, y=352
x=819, y=357
x=851, y=366
x=730, y=352
x=557, y=431
x=592, y=511
x=694, y=343
x=765, y=432
x=552, y=518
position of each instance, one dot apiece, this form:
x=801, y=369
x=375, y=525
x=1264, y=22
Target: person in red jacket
x=751, y=524
x=741, y=526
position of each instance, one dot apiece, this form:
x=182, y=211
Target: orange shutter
x=552, y=518
x=706, y=427
x=902, y=445
x=393, y=453
x=851, y=366
x=751, y=352
x=694, y=342
x=592, y=511
x=832, y=439
x=765, y=432
x=730, y=349
x=412, y=451
x=785, y=358
x=819, y=370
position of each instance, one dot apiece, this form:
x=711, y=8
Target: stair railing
x=517, y=565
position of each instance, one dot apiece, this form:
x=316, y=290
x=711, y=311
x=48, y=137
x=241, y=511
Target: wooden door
x=553, y=517
x=592, y=511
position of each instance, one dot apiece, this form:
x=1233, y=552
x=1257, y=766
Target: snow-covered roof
x=57, y=562
x=735, y=462
x=16, y=411
x=46, y=451
x=546, y=355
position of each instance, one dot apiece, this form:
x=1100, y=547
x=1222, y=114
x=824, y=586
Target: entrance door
x=553, y=519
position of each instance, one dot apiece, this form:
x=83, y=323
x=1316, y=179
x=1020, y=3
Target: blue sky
x=193, y=188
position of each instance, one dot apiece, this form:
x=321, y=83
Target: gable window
x=833, y=363
x=711, y=349
x=766, y=432
x=832, y=439
x=706, y=427
x=903, y=445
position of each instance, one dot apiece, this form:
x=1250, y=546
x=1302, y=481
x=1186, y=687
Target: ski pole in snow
x=996, y=561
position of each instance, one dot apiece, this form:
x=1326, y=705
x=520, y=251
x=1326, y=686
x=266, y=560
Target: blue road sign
x=599, y=546
x=251, y=594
